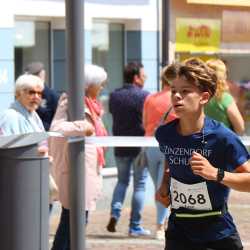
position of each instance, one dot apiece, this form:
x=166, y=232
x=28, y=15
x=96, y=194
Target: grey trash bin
x=24, y=193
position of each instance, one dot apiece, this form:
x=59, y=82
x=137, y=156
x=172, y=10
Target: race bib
x=192, y=196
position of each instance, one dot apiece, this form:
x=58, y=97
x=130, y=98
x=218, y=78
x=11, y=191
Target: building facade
x=216, y=29
x=119, y=31
x=210, y=28
x=116, y=32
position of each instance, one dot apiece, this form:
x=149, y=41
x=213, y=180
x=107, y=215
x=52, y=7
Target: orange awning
x=222, y=2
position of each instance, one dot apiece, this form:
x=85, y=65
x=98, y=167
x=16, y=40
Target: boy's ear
x=205, y=97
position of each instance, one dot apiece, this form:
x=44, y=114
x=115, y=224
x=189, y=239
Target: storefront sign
x=222, y=2
x=236, y=26
x=197, y=35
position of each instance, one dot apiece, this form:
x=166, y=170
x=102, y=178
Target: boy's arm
x=162, y=194
x=239, y=180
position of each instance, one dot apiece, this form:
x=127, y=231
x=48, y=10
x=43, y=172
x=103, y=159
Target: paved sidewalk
x=97, y=238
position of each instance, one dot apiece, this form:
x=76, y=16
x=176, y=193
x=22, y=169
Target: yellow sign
x=184, y=56
x=222, y=2
x=197, y=35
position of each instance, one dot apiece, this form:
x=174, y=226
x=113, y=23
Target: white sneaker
x=138, y=232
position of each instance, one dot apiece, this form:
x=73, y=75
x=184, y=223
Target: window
x=32, y=43
x=108, y=52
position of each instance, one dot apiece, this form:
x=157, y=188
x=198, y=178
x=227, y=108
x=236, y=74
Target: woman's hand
x=43, y=151
x=63, y=102
x=86, y=127
x=202, y=167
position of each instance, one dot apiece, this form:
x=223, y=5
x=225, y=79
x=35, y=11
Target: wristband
x=220, y=174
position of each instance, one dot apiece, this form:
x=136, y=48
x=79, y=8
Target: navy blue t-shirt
x=223, y=149
x=126, y=106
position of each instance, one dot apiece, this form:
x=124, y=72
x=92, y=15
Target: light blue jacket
x=18, y=120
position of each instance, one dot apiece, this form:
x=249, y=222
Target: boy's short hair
x=164, y=79
x=195, y=71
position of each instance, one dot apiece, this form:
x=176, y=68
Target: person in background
x=95, y=80
x=48, y=105
x=126, y=105
x=21, y=117
x=222, y=107
x=47, y=108
x=195, y=145
x=155, y=107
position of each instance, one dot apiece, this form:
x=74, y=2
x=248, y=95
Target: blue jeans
x=155, y=163
x=62, y=237
x=124, y=166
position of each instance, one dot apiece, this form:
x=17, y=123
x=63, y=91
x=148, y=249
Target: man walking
x=126, y=105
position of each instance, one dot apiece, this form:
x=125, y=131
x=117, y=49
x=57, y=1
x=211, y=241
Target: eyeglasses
x=33, y=92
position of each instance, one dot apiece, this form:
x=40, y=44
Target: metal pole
x=165, y=31
x=158, y=45
x=75, y=78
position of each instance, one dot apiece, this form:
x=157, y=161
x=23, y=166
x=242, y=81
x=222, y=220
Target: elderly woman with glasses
x=21, y=117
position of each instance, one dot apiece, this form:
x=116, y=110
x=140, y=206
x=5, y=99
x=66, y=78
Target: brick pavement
x=97, y=238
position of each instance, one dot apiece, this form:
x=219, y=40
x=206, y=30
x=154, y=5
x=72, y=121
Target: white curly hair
x=27, y=81
x=94, y=75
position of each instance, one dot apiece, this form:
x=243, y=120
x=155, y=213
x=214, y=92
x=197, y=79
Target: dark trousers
x=178, y=242
x=62, y=237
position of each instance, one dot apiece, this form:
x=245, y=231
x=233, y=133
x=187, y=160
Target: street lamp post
x=165, y=31
x=75, y=79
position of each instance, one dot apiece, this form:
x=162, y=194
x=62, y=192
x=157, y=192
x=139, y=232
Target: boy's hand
x=162, y=196
x=202, y=167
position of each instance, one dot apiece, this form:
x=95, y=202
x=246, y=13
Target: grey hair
x=94, y=75
x=28, y=81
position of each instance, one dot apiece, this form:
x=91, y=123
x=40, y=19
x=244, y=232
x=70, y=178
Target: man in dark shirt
x=126, y=105
x=50, y=98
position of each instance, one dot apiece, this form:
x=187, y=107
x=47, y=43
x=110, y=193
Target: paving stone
x=97, y=237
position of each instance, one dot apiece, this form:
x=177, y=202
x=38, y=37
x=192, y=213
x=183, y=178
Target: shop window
x=32, y=43
x=108, y=52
